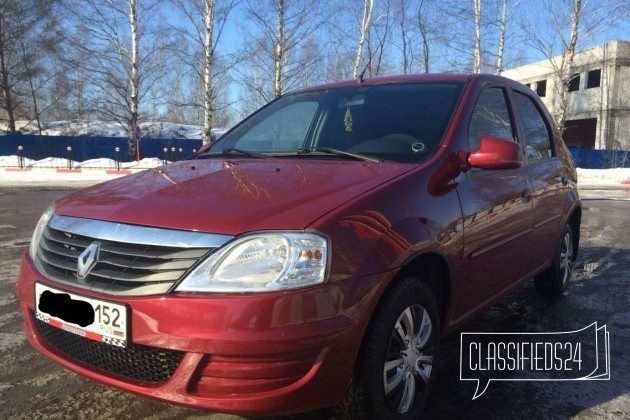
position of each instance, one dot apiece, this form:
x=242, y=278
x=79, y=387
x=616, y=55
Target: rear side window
x=490, y=118
x=535, y=129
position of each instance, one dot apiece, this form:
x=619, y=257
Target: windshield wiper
x=230, y=151
x=345, y=153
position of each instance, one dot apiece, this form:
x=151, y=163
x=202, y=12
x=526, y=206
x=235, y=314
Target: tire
x=554, y=280
x=398, y=358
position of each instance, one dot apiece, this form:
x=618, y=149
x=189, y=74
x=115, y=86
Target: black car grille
x=122, y=268
x=135, y=362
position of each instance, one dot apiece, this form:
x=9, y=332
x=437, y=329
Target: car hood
x=230, y=196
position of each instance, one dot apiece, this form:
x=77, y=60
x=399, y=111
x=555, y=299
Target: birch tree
x=205, y=21
x=457, y=34
x=379, y=41
x=368, y=6
x=506, y=15
x=278, y=56
x=566, y=62
x=503, y=22
x=134, y=79
x=477, y=46
x=277, y=59
x=208, y=55
x=121, y=54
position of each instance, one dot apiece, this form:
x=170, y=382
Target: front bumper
x=268, y=353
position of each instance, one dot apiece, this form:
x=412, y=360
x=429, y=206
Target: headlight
x=39, y=231
x=262, y=262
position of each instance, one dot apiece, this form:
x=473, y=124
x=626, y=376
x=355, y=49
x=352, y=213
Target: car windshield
x=402, y=122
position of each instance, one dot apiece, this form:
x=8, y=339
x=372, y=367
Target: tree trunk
x=403, y=35
x=279, y=51
x=425, y=40
x=29, y=74
x=567, y=62
x=4, y=82
x=477, y=49
x=502, y=37
x=134, y=79
x=368, y=5
x=207, y=70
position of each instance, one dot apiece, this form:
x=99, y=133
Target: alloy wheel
x=409, y=359
x=566, y=257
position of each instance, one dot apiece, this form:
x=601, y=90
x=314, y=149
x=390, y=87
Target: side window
x=535, y=128
x=490, y=118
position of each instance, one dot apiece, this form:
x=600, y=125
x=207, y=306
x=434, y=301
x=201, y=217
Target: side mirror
x=496, y=153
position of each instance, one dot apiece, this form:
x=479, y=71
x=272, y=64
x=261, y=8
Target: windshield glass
x=402, y=122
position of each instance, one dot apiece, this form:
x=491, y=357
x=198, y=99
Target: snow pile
x=110, y=163
x=154, y=130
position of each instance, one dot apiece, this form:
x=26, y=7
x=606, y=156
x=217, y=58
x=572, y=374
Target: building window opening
x=574, y=83
x=594, y=79
x=541, y=88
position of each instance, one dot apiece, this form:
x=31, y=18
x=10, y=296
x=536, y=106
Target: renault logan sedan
x=314, y=255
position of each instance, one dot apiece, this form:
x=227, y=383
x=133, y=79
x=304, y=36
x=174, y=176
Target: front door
x=496, y=207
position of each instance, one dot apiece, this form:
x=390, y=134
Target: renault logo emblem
x=87, y=260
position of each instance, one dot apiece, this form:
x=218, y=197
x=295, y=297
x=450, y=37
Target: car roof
x=409, y=78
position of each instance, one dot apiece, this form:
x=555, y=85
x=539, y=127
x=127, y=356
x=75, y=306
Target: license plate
x=91, y=318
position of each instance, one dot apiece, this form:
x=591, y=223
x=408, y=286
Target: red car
x=315, y=254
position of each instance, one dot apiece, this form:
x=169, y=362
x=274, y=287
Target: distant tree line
x=139, y=60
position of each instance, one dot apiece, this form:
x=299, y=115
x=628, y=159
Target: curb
x=118, y=172
x=623, y=186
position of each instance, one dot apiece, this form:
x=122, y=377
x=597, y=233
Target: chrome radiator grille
x=131, y=260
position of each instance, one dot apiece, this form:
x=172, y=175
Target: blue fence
x=85, y=148
x=600, y=159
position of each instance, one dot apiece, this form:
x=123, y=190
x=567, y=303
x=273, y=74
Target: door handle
x=563, y=179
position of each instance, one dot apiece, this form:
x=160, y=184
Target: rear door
x=548, y=175
x=496, y=206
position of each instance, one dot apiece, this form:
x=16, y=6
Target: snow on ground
x=604, y=184
x=56, y=162
x=54, y=172
x=603, y=177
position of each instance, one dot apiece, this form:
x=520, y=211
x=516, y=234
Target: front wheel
x=554, y=280
x=397, y=362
